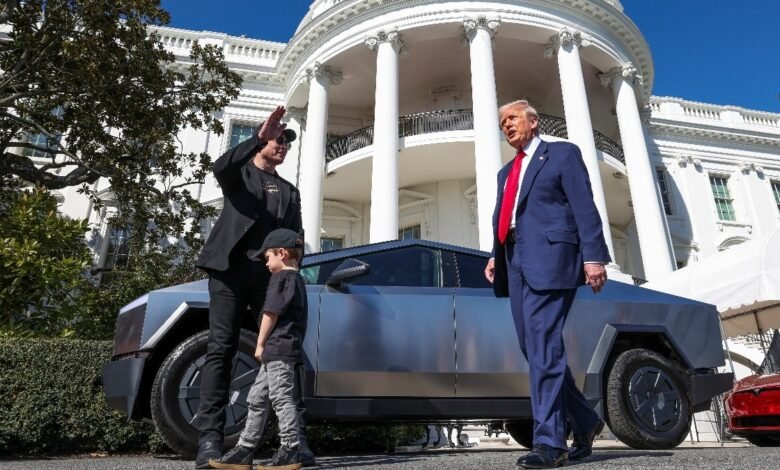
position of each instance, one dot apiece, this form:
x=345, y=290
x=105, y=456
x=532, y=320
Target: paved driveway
x=753, y=458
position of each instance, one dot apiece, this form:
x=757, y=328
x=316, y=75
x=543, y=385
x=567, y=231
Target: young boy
x=279, y=349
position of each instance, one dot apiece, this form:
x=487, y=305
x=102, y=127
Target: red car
x=753, y=408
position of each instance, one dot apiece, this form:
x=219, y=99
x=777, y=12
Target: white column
x=566, y=45
x=487, y=135
x=384, y=173
x=648, y=213
x=313, y=152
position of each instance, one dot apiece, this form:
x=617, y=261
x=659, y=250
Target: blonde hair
x=523, y=105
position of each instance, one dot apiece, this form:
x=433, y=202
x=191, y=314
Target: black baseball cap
x=281, y=238
x=289, y=134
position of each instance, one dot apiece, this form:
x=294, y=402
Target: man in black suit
x=256, y=201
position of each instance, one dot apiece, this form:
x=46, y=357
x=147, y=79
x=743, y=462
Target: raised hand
x=273, y=126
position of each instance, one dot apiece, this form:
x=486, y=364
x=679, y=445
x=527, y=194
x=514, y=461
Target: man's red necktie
x=508, y=200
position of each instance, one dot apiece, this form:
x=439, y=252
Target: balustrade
x=454, y=120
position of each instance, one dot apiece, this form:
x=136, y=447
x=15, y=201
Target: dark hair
x=295, y=253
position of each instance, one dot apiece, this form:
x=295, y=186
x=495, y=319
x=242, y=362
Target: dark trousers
x=539, y=317
x=231, y=293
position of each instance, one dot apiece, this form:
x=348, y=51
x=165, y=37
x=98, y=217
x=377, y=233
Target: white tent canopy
x=743, y=282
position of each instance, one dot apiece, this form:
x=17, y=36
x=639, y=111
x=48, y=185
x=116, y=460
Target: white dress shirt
x=529, y=150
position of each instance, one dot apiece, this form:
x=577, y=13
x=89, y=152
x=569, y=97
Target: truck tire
x=175, y=394
x=647, y=401
x=522, y=431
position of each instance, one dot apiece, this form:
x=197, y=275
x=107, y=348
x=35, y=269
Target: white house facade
x=395, y=103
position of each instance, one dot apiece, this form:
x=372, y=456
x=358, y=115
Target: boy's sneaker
x=307, y=459
x=286, y=458
x=237, y=458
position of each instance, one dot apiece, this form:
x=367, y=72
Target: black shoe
x=208, y=450
x=544, y=456
x=583, y=445
x=307, y=459
x=286, y=458
x=237, y=458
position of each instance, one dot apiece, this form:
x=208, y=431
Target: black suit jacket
x=242, y=208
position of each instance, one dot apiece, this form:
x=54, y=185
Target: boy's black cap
x=289, y=134
x=281, y=238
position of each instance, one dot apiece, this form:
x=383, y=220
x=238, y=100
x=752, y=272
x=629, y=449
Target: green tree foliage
x=98, y=303
x=42, y=260
x=87, y=91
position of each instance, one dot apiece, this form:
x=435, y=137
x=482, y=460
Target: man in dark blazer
x=548, y=241
x=256, y=201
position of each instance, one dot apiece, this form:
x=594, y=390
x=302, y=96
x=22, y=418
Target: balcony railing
x=453, y=120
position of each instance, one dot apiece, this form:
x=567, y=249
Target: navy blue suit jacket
x=557, y=223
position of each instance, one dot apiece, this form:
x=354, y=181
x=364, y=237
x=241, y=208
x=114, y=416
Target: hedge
x=52, y=402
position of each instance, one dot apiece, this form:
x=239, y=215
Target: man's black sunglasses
x=282, y=140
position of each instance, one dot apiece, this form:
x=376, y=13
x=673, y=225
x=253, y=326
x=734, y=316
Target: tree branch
x=23, y=167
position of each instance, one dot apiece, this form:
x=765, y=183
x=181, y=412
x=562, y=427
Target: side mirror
x=348, y=269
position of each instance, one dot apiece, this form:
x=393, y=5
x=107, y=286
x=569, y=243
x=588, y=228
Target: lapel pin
x=541, y=158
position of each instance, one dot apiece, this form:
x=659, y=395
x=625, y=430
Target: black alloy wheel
x=175, y=396
x=646, y=400
x=655, y=400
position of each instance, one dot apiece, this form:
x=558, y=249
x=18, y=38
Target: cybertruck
x=410, y=331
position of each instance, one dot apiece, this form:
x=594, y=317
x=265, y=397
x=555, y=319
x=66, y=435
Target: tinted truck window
x=471, y=270
x=412, y=266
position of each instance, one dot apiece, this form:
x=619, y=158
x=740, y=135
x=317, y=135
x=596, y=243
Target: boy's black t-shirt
x=286, y=297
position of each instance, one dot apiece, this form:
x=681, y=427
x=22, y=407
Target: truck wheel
x=175, y=393
x=647, y=402
x=522, y=432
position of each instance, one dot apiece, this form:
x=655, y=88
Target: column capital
x=317, y=70
x=627, y=71
x=297, y=113
x=471, y=25
x=566, y=38
x=393, y=37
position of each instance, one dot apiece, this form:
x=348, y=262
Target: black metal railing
x=454, y=120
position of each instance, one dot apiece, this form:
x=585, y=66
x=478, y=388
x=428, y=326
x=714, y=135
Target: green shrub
x=52, y=402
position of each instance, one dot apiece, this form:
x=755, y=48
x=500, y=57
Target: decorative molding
x=645, y=113
x=471, y=196
x=471, y=25
x=408, y=199
x=627, y=71
x=317, y=70
x=566, y=38
x=747, y=167
x=393, y=37
x=728, y=242
x=334, y=210
x=685, y=160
